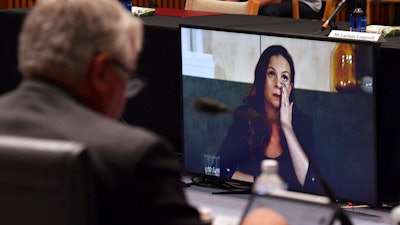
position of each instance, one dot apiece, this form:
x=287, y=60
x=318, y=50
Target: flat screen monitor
x=318, y=98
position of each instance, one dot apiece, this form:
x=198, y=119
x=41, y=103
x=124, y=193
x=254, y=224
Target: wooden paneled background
x=381, y=13
x=5, y=4
x=175, y=4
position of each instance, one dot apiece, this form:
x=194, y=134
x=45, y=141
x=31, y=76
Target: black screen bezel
x=376, y=50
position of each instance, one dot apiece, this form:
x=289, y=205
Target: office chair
x=44, y=182
x=21, y=3
x=249, y=8
x=330, y=6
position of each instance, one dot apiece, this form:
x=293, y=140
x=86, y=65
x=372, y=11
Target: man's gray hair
x=62, y=37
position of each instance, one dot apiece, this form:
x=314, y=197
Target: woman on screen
x=250, y=141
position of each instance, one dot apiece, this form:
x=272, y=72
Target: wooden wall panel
x=20, y=3
x=384, y=13
x=175, y=4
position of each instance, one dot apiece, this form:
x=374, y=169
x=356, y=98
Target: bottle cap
x=206, y=215
x=269, y=165
x=395, y=215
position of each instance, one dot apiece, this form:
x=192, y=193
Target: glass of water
x=211, y=165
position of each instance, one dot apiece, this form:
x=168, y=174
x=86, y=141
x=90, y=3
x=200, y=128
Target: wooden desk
x=228, y=209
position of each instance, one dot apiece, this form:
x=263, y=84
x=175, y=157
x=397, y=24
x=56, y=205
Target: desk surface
x=297, y=27
x=288, y=26
x=227, y=209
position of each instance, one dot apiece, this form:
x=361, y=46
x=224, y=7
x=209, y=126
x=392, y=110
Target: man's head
x=89, y=47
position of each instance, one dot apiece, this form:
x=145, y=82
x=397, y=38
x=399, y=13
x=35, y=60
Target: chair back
x=21, y=3
x=44, y=182
x=330, y=6
x=249, y=7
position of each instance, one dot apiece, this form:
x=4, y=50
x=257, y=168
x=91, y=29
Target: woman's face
x=277, y=74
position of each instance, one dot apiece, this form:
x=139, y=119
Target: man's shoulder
x=123, y=133
x=112, y=139
x=49, y=112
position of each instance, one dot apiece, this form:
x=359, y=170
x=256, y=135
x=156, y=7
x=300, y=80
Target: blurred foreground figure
x=77, y=58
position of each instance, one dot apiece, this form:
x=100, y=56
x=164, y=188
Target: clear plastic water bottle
x=358, y=19
x=127, y=4
x=395, y=216
x=269, y=178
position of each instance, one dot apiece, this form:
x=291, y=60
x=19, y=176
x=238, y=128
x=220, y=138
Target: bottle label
x=358, y=23
x=127, y=5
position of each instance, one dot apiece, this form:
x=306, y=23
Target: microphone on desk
x=333, y=14
x=214, y=107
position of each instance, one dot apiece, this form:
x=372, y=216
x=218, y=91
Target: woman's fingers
x=284, y=96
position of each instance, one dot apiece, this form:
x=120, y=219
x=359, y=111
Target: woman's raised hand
x=286, y=108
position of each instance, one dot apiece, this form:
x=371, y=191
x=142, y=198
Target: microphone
x=333, y=14
x=210, y=106
x=214, y=107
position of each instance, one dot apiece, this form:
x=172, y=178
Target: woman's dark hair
x=256, y=94
x=258, y=133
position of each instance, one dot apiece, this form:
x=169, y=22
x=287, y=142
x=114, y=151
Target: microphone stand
x=344, y=219
x=331, y=19
x=332, y=25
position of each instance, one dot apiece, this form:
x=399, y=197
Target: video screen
x=317, y=97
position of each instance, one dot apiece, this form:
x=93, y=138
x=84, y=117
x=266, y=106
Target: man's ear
x=97, y=74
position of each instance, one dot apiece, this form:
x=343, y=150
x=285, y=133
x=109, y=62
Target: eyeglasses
x=135, y=85
x=131, y=74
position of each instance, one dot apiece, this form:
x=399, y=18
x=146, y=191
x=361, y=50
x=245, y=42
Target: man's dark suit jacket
x=137, y=177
